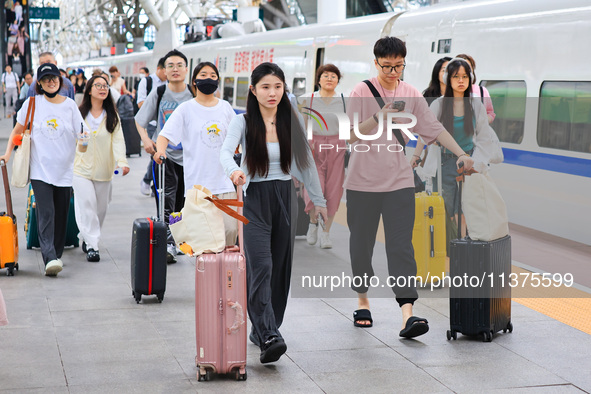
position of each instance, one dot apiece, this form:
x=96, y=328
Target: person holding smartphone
x=380, y=182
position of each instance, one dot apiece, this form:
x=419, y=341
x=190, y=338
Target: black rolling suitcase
x=148, y=252
x=483, y=308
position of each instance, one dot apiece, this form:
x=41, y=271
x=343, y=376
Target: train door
x=319, y=62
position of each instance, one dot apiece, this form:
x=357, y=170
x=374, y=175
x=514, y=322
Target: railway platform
x=82, y=332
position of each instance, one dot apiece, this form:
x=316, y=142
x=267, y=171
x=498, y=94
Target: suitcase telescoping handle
x=160, y=189
x=460, y=180
x=240, y=224
x=7, y=189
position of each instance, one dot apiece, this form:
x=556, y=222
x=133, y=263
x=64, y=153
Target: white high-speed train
x=532, y=55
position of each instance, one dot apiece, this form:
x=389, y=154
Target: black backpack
x=125, y=107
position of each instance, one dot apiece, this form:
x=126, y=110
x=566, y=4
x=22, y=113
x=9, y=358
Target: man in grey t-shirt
x=158, y=106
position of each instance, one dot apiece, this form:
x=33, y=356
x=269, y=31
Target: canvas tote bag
x=484, y=208
x=21, y=170
x=200, y=224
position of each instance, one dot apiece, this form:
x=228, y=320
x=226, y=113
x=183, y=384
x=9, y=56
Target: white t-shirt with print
x=202, y=131
x=53, y=139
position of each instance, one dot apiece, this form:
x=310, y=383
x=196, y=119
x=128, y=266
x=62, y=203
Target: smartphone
x=399, y=105
x=321, y=222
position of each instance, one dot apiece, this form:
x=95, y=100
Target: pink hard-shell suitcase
x=220, y=310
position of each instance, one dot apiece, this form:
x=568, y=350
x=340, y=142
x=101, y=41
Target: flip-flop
x=361, y=315
x=414, y=327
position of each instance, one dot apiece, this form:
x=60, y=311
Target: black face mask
x=50, y=95
x=206, y=86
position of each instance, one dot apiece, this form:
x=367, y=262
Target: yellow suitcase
x=8, y=233
x=428, y=237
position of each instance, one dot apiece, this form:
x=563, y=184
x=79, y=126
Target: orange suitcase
x=8, y=234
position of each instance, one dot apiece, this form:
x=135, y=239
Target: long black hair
x=434, y=89
x=290, y=132
x=108, y=104
x=447, y=110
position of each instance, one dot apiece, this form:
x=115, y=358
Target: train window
x=299, y=86
x=444, y=46
x=241, y=91
x=508, y=98
x=229, y=89
x=564, y=117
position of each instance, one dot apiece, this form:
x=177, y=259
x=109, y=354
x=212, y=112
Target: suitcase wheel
x=238, y=375
x=509, y=328
x=137, y=296
x=160, y=297
x=207, y=376
x=10, y=271
x=452, y=334
x=487, y=336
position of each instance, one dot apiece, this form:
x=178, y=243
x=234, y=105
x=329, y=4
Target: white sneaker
x=145, y=188
x=53, y=267
x=312, y=234
x=325, y=242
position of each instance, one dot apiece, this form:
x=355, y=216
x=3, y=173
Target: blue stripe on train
x=543, y=161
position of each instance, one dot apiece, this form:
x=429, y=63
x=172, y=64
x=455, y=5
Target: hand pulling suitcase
x=31, y=232
x=485, y=309
x=8, y=233
x=220, y=310
x=429, y=231
x=148, y=252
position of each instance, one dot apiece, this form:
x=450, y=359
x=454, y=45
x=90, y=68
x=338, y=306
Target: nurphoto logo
x=345, y=129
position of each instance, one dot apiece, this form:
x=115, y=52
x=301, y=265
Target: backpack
x=125, y=107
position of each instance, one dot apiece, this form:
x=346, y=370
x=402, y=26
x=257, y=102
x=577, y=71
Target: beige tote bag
x=21, y=169
x=484, y=208
x=201, y=223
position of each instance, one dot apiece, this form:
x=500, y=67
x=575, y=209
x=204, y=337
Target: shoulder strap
x=148, y=84
x=30, y=115
x=481, y=94
x=311, y=99
x=344, y=105
x=160, y=92
x=381, y=103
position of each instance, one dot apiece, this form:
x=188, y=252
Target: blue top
x=237, y=136
x=464, y=141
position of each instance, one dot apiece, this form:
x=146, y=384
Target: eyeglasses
x=458, y=77
x=178, y=66
x=50, y=78
x=388, y=69
x=101, y=87
x=327, y=76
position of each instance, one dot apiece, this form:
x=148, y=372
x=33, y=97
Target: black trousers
x=397, y=209
x=174, y=191
x=271, y=208
x=52, y=206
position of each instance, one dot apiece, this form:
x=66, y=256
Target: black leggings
x=397, y=209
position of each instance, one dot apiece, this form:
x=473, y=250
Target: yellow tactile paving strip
x=565, y=304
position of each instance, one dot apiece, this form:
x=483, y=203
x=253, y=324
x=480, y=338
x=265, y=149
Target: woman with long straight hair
x=56, y=125
x=201, y=125
x=465, y=118
x=274, y=148
x=94, y=169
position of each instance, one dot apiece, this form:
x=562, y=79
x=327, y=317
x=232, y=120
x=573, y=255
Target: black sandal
x=362, y=315
x=414, y=327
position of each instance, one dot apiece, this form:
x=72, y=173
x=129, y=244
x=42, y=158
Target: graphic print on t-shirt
x=166, y=109
x=50, y=127
x=211, y=134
